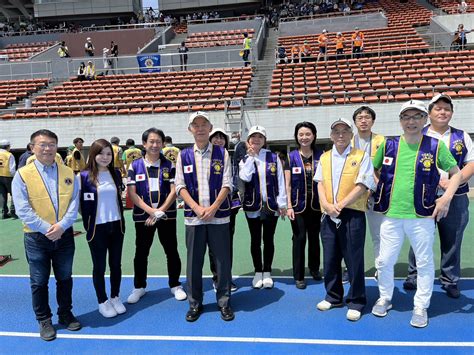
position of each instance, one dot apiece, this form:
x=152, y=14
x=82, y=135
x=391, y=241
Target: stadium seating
x=373, y=79
x=19, y=52
x=13, y=91
x=406, y=13
x=218, y=38
x=181, y=28
x=452, y=6
x=207, y=89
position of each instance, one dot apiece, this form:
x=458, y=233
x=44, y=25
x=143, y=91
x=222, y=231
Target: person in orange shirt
x=357, y=43
x=323, y=42
x=340, y=40
x=295, y=53
x=305, y=52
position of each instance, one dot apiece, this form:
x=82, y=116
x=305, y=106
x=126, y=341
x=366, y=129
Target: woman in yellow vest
x=344, y=177
x=76, y=161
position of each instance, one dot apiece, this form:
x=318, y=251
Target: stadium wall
x=444, y=26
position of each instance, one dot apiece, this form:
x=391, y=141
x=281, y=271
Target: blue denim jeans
x=41, y=253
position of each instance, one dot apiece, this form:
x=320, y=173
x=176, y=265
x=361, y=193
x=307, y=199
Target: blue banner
x=149, y=63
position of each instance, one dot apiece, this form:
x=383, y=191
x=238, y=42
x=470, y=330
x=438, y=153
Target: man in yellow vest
x=117, y=150
x=46, y=196
x=170, y=151
x=246, y=49
x=7, y=170
x=344, y=175
x=76, y=161
x=131, y=153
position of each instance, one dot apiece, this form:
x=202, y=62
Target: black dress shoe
x=300, y=284
x=47, y=331
x=451, y=291
x=194, y=313
x=70, y=322
x=227, y=313
x=316, y=275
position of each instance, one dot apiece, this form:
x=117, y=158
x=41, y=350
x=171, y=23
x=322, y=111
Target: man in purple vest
x=203, y=181
x=451, y=228
x=406, y=194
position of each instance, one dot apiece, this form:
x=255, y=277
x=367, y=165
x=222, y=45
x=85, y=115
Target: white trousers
x=374, y=220
x=420, y=232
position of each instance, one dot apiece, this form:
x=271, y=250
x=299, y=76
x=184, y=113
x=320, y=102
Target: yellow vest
x=58, y=159
x=171, y=153
x=5, y=163
x=347, y=180
x=376, y=142
x=73, y=163
x=132, y=154
x=117, y=157
x=247, y=43
x=38, y=195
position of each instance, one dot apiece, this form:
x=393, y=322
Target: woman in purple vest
x=264, y=200
x=304, y=211
x=102, y=215
x=220, y=138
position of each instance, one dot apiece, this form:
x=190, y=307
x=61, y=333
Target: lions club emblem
x=458, y=146
x=273, y=168
x=166, y=173
x=68, y=181
x=427, y=161
x=217, y=165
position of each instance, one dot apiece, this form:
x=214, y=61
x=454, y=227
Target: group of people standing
x=396, y=184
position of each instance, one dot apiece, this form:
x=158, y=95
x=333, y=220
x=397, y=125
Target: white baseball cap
x=88, y=39
x=257, y=129
x=439, y=97
x=325, y=30
x=414, y=105
x=197, y=114
x=217, y=130
x=343, y=121
x=4, y=143
x=105, y=50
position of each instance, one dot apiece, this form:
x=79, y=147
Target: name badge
x=188, y=169
x=296, y=170
x=387, y=160
x=140, y=177
x=88, y=196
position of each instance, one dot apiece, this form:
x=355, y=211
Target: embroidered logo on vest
x=273, y=168
x=354, y=163
x=217, y=165
x=68, y=181
x=166, y=173
x=458, y=146
x=427, y=161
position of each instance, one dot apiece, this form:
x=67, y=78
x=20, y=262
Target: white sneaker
x=136, y=294
x=353, y=315
x=267, y=280
x=326, y=306
x=118, y=305
x=257, y=281
x=107, y=310
x=179, y=293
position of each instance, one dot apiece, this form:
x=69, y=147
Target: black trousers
x=306, y=225
x=216, y=236
x=346, y=242
x=144, y=239
x=265, y=225
x=5, y=189
x=108, y=238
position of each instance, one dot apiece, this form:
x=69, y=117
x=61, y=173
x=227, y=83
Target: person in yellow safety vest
x=247, y=44
x=7, y=170
x=117, y=150
x=131, y=153
x=344, y=175
x=76, y=161
x=170, y=151
x=63, y=51
x=89, y=72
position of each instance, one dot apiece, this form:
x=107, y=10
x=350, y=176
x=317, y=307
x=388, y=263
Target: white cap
x=356, y=28
x=88, y=38
x=339, y=33
x=217, y=130
x=4, y=143
x=414, y=105
x=197, y=114
x=439, y=97
x=343, y=121
x=325, y=30
x=257, y=129
x=105, y=50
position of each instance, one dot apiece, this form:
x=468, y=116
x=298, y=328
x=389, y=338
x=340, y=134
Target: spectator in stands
x=305, y=52
x=63, y=51
x=170, y=151
x=7, y=171
x=463, y=7
x=246, y=49
x=460, y=38
x=76, y=160
x=322, y=43
x=280, y=55
x=340, y=41
x=295, y=53
x=24, y=157
x=183, y=56
x=89, y=47
x=81, y=72
x=89, y=71
x=106, y=60
x=357, y=43
x=346, y=9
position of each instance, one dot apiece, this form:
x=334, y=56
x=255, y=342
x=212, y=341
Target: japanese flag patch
x=140, y=177
x=88, y=196
x=188, y=169
x=296, y=170
x=387, y=160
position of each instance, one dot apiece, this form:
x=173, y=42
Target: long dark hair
x=95, y=150
x=310, y=126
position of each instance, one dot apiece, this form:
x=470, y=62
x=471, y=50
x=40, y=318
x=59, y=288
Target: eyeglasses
x=46, y=145
x=417, y=117
x=363, y=118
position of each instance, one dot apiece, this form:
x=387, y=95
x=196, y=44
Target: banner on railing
x=149, y=63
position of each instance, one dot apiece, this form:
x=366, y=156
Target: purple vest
x=252, y=195
x=426, y=176
x=216, y=175
x=457, y=147
x=298, y=182
x=143, y=188
x=89, y=206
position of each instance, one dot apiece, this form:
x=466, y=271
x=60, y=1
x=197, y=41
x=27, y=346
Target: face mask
x=234, y=140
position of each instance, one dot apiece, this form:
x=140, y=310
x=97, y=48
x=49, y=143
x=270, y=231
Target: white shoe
x=118, y=305
x=107, y=310
x=353, y=315
x=179, y=293
x=136, y=294
x=257, y=281
x=267, y=280
x=326, y=306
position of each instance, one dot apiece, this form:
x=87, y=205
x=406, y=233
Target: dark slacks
x=144, y=239
x=108, y=238
x=451, y=231
x=306, y=225
x=5, y=189
x=216, y=236
x=346, y=242
x=41, y=254
x=264, y=224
